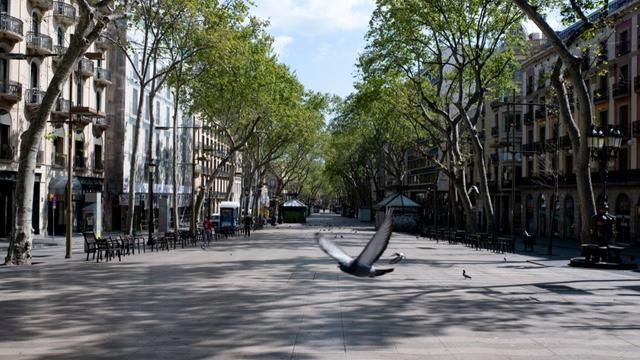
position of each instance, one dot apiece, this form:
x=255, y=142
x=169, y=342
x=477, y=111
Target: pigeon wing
x=377, y=244
x=333, y=250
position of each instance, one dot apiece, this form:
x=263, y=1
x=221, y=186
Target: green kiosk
x=294, y=211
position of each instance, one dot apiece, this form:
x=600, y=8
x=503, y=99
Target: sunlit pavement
x=277, y=296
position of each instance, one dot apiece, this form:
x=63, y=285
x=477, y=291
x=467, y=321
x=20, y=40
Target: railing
x=11, y=88
x=6, y=152
x=79, y=162
x=635, y=127
x=10, y=24
x=86, y=66
x=63, y=9
x=34, y=96
x=39, y=41
x=101, y=121
x=622, y=48
x=62, y=105
x=103, y=74
x=621, y=88
x=59, y=159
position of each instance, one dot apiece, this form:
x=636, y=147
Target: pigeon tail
x=380, y=272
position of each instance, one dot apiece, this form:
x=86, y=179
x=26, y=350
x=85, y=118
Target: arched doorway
x=569, y=218
x=623, y=218
x=542, y=215
x=530, y=224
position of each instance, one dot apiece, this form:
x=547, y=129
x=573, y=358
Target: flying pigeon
x=362, y=266
x=464, y=273
x=397, y=257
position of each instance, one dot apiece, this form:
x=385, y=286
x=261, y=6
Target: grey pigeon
x=464, y=274
x=362, y=266
x=397, y=257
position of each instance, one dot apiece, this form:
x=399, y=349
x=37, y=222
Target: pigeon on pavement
x=397, y=257
x=362, y=266
x=464, y=274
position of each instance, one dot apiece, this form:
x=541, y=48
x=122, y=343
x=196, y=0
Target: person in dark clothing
x=247, y=225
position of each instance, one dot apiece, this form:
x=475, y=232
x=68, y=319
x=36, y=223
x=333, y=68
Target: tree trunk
x=20, y=246
x=134, y=164
x=232, y=176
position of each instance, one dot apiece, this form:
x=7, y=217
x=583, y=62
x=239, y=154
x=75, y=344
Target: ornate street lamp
x=603, y=148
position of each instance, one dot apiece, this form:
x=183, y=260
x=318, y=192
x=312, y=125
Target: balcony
x=10, y=28
x=528, y=118
x=39, y=44
x=64, y=13
x=33, y=99
x=61, y=108
x=600, y=95
x=10, y=91
x=223, y=174
x=622, y=48
x=98, y=164
x=59, y=160
x=100, y=124
x=495, y=131
x=6, y=152
x=103, y=77
x=621, y=88
x=43, y=5
x=79, y=162
x=85, y=67
x=103, y=43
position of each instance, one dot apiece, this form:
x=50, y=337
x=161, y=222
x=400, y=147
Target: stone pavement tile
x=309, y=354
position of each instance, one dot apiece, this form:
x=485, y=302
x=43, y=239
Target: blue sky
x=319, y=39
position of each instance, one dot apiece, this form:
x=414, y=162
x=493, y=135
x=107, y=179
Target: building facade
x=43, y=28
x=123, y=107
x=613, y=71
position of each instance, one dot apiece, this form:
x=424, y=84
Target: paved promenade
x=277, y=296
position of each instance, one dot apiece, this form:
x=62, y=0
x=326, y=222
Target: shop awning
x=397, y=200
x=58, y=185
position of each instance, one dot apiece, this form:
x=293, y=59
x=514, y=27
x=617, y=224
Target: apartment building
x=123, y=107
x=546, y=146
x=43, y=28
x=211, y=149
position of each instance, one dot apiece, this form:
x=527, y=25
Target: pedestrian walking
x=247, y=225
x=207, y=229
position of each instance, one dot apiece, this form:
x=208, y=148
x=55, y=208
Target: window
x=623, y=74
x=134, y=102
x=4, y=67
x=603, y=118
x=34, y=76
x=79, y=93
x=4, y=6
x=624, y=120
x=35, y=23
x=98, y=101
x=60, y=36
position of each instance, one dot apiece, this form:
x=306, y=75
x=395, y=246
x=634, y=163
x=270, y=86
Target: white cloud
x=280, y=44
x=316, y=15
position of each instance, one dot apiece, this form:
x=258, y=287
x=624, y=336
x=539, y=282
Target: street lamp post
x=604, y=146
